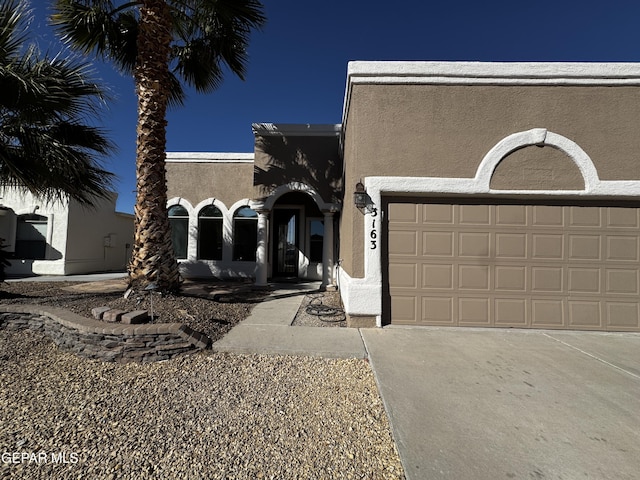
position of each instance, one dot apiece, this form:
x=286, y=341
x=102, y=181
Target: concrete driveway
x=502, y=404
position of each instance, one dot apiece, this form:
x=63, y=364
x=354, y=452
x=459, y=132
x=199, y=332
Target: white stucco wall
x=75, y=235
x=99, y=239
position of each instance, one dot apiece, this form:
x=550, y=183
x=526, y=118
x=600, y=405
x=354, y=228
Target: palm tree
x=160, y=42
x=45, y=144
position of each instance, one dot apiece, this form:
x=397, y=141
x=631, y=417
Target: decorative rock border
x=102, y=341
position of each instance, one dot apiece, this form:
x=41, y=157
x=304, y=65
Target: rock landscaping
x=204, y=415
x=98, y=340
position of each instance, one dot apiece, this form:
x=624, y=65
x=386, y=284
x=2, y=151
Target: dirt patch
x=212, y=309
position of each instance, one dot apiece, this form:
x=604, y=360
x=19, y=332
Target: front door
x=285, y=245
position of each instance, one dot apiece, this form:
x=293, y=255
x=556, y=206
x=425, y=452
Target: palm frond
x=47, y=104
x=99, y=27
x=13, y=34
x=212, y=34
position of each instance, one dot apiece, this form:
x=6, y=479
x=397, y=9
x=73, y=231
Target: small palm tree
x=45, y=144
x=160, y=42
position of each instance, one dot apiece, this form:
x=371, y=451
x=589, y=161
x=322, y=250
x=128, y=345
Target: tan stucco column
x=261, y=252
x=327, y=251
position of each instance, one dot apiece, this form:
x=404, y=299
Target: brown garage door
x=507, y=265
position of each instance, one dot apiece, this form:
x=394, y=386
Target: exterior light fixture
x=360, y=196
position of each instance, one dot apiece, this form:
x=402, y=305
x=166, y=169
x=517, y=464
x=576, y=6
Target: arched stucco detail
x=226, y=227
x=539, y=137
x=183, y=203
x=192, y=240
x=295, y=187
x=211, y=201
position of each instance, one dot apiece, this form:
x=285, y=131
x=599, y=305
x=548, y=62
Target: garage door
x=508, y=265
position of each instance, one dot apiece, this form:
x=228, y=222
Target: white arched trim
x=363, y=296
x=245, y=202
x=183, y=203
x=539, y=137
x=211, y=201
x=295, y=187
x=192, y=240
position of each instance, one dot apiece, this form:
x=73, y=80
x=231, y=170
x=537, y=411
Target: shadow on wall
x=314, y=161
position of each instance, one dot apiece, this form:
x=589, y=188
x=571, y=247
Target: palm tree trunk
x=153, y=259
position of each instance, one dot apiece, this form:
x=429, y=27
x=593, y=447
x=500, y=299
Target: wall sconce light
x=360, y=196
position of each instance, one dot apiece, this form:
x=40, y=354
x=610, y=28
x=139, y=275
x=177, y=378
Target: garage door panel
x=547, y=216
x=403, y=213
x=511, y=245
x=547, y=279
x=584, y=247
x=437, y=276
x=438, y=311
x=622, y=248
x=473, y=277
x=529, y=266
x=623, y=282
x=547, y=246
x=585, y=217
x=404, y=309
x=474, y=311
x=511, y=312
x=437, y=214
x=547, y=313
x=623, y=218
x=511, y=278
x=403, y=275
x=474, y=215
x=438, y=244
x=474, y=244
x=403, y=243
x=511, y=215
x=585, y=314
x=584, y=280
x=623, y=316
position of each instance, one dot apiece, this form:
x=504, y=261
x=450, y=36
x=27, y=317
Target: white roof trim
x=209, y=157
x=488, y=73
x=503, y=73
x=296, y=129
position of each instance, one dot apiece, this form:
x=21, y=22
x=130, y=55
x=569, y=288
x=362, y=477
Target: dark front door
x=285, y=243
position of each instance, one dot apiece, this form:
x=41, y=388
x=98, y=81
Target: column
x=327, y=251
x=261, y=252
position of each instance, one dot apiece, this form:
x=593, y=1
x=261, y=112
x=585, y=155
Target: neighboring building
x=63, y=237
x=495, y=195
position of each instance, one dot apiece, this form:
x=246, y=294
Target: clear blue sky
x=297, y=69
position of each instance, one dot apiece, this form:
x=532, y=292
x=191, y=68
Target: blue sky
x=297, y=69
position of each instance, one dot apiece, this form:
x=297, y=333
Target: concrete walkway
x=268, y=330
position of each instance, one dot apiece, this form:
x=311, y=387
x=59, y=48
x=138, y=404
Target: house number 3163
x=373, y=233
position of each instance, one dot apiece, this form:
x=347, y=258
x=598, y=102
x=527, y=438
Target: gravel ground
x=321, y=309
x=209, y=415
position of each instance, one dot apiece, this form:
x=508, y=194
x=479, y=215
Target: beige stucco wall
x=228, y=182
x=424, y=130
x=312, y=160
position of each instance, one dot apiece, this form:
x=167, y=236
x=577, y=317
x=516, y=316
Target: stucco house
x=453, y=193
x=63, y=237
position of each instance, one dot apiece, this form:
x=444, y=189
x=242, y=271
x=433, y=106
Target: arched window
x=31, y=237
x=245, y=234
x=179, y=221
x=210, y=233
